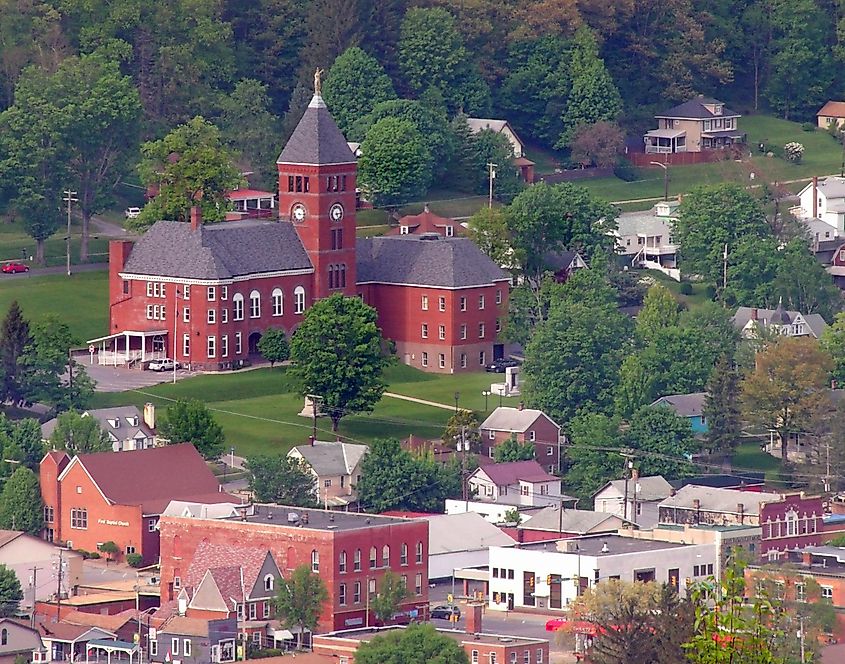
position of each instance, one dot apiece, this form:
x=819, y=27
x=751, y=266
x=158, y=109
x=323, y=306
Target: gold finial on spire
x=318, y=84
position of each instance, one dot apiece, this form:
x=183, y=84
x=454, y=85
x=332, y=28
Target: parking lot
x=120, y=379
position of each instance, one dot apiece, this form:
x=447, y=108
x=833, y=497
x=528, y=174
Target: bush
x=685, y=288
x=793, y=152
x=808, y=126
x=134, y=559
x=625, y=170
x=710, y=291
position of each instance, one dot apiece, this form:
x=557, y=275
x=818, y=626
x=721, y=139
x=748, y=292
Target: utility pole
x=315, y=407
x=59, y=572
x=70, y=197
x=801, y=637
x=827, y=469
x=34, y=571
x=626, y=454
x=725, y=268
x=491, y=175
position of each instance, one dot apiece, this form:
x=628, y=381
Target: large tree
x=599, y=144
x=488, y=228
x=190, y=421
x=395, y=165
x=188, y=167
x=591, y=454
x=418, y=644
x=659, y=311
x=21, y=441
x=274, y=346
x=79, y=434
x=300, y=599
x=662, y=440
x=15, y=337
x=462, y=431
x=392, y=590
x=355, y=84
x=339, y=356
x=710, y=217
x=20, y=503
x=721, y=408
x=833, y=343
x=787, y=387
x=281, y=479
x=513, y=450
x=10, y=592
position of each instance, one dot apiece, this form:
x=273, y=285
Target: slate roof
x=152, y=477
x=506, y=474
x=332, y=457
x=316, y=139
x=123, y=414
x=719, y=500
x=454, y=262
x=217, y=251
x=453, y=533
x=833, y=108
x=695, y=109
x=684, y=405
x=572, y=521
x=513, y=420
x=740, y=319
x=425, y=222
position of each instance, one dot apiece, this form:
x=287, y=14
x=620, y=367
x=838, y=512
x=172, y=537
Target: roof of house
x=242, y=194
x=104, y=621
x=743, y=315
x=7, y=536
x=514, y=420
x=123, y=415
x=712, y=499
x=65, y=631
x=152, y=477
x=425, y=222
x=506, y=474
x=316, y=139
x=185, y=626
x=572, y=521
x=332, y=457
x=425, y=260
x=479, y=124
x=452, y=533
x=217, y=251
x=561, y=260
x=200, y=510
x=695, y=109
x=653, y=487
x=832, y=186
x=684, y=405
x=216, y=557
x=833, y=109
x=604, y=545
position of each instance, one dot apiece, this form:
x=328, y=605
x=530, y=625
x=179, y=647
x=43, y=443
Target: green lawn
x=81, y=301
x=15, y=243
x=264, y=416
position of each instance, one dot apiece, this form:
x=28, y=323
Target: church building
x=205, y=293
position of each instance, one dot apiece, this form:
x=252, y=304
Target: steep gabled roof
x=317, y=139
x=506, y=474
x=572, y=521
x=711, y=499
x=517, y=420
x=210, y=556
x=695, y=109
x=123, y=415
x=684, y=405
x=425, y=222
x=651, y=488
x=834, y=109
x=332, y=457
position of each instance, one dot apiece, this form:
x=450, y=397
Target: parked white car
x=133, y=212
x=164, y=364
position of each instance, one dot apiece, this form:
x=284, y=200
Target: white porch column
x=143, y=349
x=126, y=339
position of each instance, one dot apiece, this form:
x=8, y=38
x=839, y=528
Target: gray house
x=644, y=495
x=126, y=427
x=193, y=640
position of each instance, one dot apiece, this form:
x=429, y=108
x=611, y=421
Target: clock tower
x=317, y=194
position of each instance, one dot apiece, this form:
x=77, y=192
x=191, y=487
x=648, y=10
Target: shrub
x=808, y=126
x=710, y=291
x=625, y=170
x=685, y=288
x=134, y=559
x=793, y=152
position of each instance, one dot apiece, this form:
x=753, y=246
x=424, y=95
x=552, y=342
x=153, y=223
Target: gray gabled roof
x=719, y=500
x=518, y=420
x=332, y=458
x=316, y=139
x=764, y=317
x=582, y=522
x=424, y=260
x=653, y=487
x=469, y=531
x=123, y=414
x=684, y=405
x=695, y=108
x=217, y=251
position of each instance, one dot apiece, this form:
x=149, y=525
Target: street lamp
x=457, y=396
x=665, y=178
x=485, y=394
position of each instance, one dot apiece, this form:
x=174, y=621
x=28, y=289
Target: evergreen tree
x=10, y=592
x=20, y=503
x=14, y=339
x=721, y=408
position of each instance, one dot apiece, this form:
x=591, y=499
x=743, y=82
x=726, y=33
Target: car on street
x=15, y=267
x=499, y=366
x=164, y=364
x=445, y=611
x=133, y=212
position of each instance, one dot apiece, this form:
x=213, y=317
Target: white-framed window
x=341, y=562
x=174, y=646
x=424, y=304
x=480, y=302
x=212, y=316
x=385, y=556
x=532, y=435
x=463, y=331
x=474, y=657
x=356, y=593
x=212, y=293
x=151, y=525
x=424, y=359
x=278, y=299
x=79, y=518
x=418, y=584
x=315, y=560
x=441, y=303
x=419, y=553
x=153, y=647
x=224, y=315
x=441, y=361
x=238, y=307
x=186, y=648
x=800, y=592
x=212, y=347
x=371, y=587
x=224, y=346
x=266, y=610
x=186, y=345
x=298, y=300
x=481, y=358
x=269, y=582
x=441, y=332
x=186, y=292
x=827, y=593
x=255, y=304
x=403, y=554
x=373, y=557
x=186, y=315
x=341, y=594
x=463, y=360
x=356, y=561
x=498, y=325
x=450, y=231
x=149, y=289
x=481, y=330
x=177, y=582
x=424, y=330
x=463, y=303
x=239, y=346
x=498, y=296
x=253, y=611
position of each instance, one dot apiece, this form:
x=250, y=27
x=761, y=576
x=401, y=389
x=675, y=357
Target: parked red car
x=14, y=267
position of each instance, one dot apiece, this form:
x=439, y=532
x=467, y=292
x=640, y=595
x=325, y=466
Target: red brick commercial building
x=206, y=293
x=118, y=496
x=350, y=551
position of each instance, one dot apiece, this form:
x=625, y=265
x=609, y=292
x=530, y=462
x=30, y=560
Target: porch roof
x=131, y=333
x=666, y=133
x=725, y=133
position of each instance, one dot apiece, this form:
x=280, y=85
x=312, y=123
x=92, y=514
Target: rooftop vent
x=605, y=548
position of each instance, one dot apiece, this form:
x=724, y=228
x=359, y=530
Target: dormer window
x=133, y=421
x=717, y=109
x=114, y=423
x=450, y=231
x=403, y=230
x=269, y=582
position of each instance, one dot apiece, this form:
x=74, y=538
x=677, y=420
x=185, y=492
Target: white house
x=749, y=321
x=643, y=494
x=336, y=467
x=550, y=575
x=824, y=200
x=500, y=127
x=127, y=428
x=515, y=483
x=645, y=238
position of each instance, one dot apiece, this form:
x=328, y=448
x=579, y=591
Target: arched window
x=299, y=300
x=342, y=562
x=278, y=302
x=356, y=561
x=315, y=561
x=255, y=304
x=385, y=556
x=238, y=307
x=373, y=557
x=269, y=582
x=341, y=276
x=4, y=637
x=332, y=283
x=419, y=553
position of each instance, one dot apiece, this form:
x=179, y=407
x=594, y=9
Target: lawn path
x=422, y=401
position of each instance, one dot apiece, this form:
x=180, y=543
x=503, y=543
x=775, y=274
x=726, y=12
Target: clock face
x=298, y=212
x=336, y=212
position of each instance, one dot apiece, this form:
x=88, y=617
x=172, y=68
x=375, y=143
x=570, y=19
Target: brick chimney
x=196, y=217
x=474, y=613
x=740, y=508
x=815, y=196
x=150, y=415
x=754, y=313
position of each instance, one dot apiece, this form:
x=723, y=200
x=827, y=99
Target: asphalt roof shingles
x=316, y=139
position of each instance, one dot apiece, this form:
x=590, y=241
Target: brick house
x=526, y=425
x=350, y=551
x=426, y=222
x=794, y=522
x=206, y=293
x=118, y=496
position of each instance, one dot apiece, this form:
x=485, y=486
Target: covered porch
x=665, y=141
x=718, y=140
x=119, y=651
x=129, y=347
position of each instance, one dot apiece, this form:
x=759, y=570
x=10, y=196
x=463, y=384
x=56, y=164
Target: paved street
x=56, y=269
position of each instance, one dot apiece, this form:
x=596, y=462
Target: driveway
x=120, y=379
